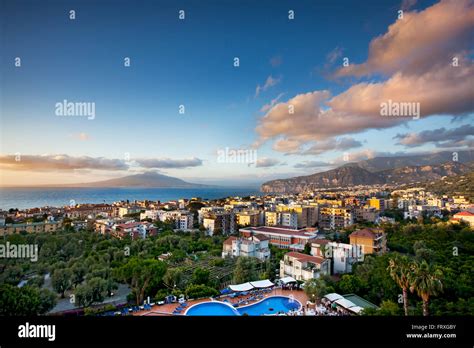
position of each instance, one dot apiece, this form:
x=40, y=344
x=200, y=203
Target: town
x=300, y=247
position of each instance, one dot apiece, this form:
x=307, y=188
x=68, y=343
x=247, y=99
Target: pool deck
x=167, y=309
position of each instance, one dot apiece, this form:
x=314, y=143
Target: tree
x=92, y=292
x=400, y=269
x=62, y=280
x=25, y=301
x=47, y=300
x=173, y=277
x=422, y=252
x=315, y=289
x=199, y=291
x=426, y=281
x=78, y=273
x=349, y=283
x=139, y=274
x=387, y=308
x=201, y=276
x=307, y=249
x=245, y=270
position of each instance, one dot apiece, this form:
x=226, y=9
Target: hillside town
x=299, y=239
x=282, y=216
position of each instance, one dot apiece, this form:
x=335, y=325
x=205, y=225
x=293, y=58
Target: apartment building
x=272, y=218
x=333, y=218
x=133, y=229
x=88, y=211
x=306, y=215
x=122, y=211
x=372, y=240
x=185, y=221
x=377, y=203
x=282, y=238
x=369, y=214
x=205, y=211
x=303, y=267
x=31, y=227
x=219, y=223
x=248, y=218
x=254, y=246
x=341, y=255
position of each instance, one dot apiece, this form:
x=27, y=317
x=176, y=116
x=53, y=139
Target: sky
x=306, y=95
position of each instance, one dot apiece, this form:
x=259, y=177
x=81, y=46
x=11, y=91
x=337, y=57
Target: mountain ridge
x=354, y=175
x=144, y=180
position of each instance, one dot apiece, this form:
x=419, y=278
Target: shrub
x=199, y=291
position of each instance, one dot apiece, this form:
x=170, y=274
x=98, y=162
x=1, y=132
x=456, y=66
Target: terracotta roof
x=261, y=237
x=229, y=240
x=305, y=258
x=464, y=213
x=366, y=232
x=277, y=230
x=321, y=241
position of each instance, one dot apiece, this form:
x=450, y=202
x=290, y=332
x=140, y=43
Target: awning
x=241, y=287
x=287, y=280
x=345, y=303
x=333, y=297
x=262, y=283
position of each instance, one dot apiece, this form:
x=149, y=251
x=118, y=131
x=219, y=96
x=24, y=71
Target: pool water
x=212, y=308
x=271, y=305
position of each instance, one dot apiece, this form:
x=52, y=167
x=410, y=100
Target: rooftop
x=278, y=230
x=366, y=232
x=305, y=258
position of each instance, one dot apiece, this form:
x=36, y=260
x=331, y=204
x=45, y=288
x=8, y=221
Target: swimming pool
x=270, y=305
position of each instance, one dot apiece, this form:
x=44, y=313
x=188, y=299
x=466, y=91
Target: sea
x=23, y=198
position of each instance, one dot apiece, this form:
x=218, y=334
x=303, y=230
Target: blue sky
x=175, y=62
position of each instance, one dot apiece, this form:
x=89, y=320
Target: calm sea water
x=22, y=198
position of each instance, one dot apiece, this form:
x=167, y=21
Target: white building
x=289, y=219
x=341, y=255
x=254, y=246
x=303, y=267
x=418, y=210
x=185, y=221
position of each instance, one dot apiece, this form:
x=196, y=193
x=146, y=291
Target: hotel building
x=281, y=237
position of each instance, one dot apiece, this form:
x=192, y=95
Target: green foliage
x=316, y=289
x=62, y=280
x=350, y=284
x=93, y=291
x=307, y=249
x=25, y=301
x=245, y=270
x=201, y=276
x=437, y=263
x=141, y=275
x=387, y=308
x=198, y=291
x=173, y=278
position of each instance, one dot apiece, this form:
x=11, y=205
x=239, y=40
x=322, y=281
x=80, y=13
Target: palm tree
x=426, y=281
x=400, y=272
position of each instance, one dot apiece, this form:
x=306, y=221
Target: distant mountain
x=384, y=163
x=460, y=185
x=339, y=177
x=410, y=174
x=353, y=175
x=150, y=179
